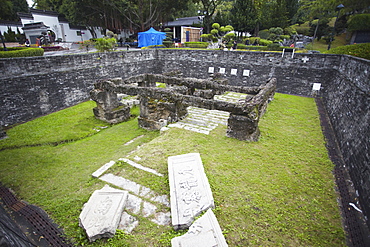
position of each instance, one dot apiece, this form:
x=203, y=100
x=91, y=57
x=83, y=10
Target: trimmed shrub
x=357, y=50
x=265, y=42
x=264, y=34
x=203, y=45
x=21, y=52
x=284, y=37
x=168, y=44
x=105, y=44
x=359, y=22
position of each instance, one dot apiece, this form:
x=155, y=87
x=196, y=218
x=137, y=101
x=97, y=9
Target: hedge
x=357, y=50
x=196, y=44
x=21, y=52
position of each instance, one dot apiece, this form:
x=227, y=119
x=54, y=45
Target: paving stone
x=103, y=169
x=127, y=223
x=146, y=192
x=101, y=215
x=190, y=192
x=163, y=199
x=133, y=204
x=121, y=182
x=205, y=232
x=161, y=218
x=148, y=209
x=136, y=165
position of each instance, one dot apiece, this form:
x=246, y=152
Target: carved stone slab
x=205, y=232
x=189, y=189
x=101, y=215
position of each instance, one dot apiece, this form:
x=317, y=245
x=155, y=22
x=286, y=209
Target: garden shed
x=151, y=37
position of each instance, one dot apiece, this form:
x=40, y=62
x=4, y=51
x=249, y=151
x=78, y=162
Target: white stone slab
x=211, y=70
x=222, y=71
x=190, y=193
x=103, y=169
x=234, y=71
x=205, y=232
x=121, y=182
x=101, y=215
x=127, y=223
x=148, y=209
x=246, y=72
x=161, y=218
x=316, y=86
x=136, y=165
x=133, y=204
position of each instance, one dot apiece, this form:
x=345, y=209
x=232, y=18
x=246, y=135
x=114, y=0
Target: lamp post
x=338, y=8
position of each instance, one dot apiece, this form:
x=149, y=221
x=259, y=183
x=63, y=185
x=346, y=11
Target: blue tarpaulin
x=151, y=37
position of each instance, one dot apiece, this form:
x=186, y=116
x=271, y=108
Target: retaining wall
x=32, y=87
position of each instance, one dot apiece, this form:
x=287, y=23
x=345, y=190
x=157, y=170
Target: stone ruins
x=161, y=106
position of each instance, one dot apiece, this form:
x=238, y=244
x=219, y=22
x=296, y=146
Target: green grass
x=275, y=192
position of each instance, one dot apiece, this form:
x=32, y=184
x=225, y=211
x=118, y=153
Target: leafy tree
x=9, y=9
x=209, y=8
x=244, y=15
x=105, y=44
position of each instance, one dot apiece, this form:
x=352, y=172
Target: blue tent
x=151, y=37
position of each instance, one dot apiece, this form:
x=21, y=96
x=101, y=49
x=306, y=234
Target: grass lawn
x=279, y=191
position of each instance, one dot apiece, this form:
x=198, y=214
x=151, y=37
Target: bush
x=168, y=44
x=302, y=29
x=359, y=22
x=105, y=44
x=264, y=34
x=196, y=44
x=265, y=42
x=284, y=37
x=21, y=52
x=357, y=50
x=273, y=47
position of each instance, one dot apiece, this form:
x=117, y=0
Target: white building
x=37, y=21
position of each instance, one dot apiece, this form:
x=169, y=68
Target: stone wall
x=348, y=105
x=32, y=87
x=294, y=75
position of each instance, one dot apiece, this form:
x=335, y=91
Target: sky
x=30, y=2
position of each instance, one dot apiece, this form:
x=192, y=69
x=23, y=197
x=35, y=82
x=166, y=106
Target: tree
x=209, y=8
x=9, y=9
x=244, y=15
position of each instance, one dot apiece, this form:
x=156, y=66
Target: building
x=184, y=30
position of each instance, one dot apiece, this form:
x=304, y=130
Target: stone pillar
x=156, y=113
x=108, y=108
x=244, y=128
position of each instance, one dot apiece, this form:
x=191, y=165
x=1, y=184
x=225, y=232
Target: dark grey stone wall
x=348, y=105
x=32, y=87
x=294, y=75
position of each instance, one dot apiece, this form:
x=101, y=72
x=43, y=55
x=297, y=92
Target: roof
x=186, y=21
x=44, y=12
x=35, y=25
x=10, y=23
x=23, y=15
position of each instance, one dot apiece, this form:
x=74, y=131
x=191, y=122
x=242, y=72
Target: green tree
x=209, y=8
x=244, y=15
x=9, y=9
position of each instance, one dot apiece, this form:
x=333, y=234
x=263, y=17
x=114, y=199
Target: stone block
x=127, y=223
x=101, y=215
x=121, y=182
x=244, y=128
x=190, y=193
x=205, y=232
x=103, y=169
